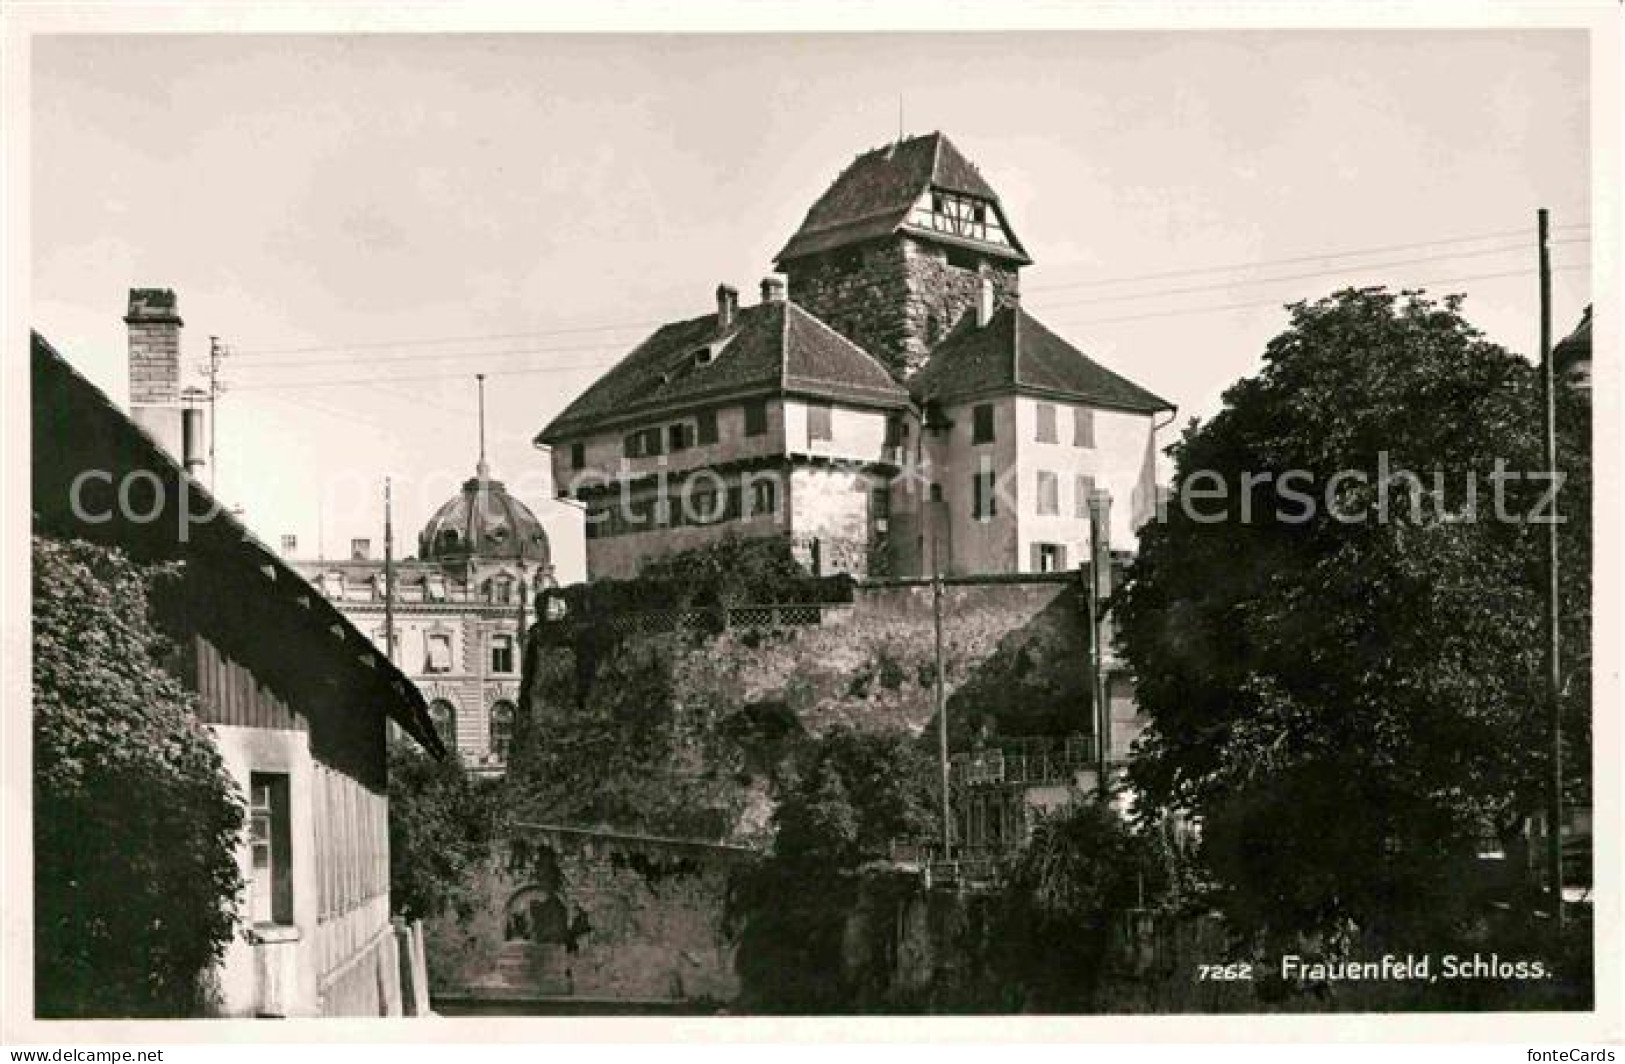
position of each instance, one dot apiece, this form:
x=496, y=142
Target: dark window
x=1083, y=427
x=964, y=260
x=707, y=427
x=1046, y=423
x=502, y=591
x=269, y=834
x=501, y=652
x=755, y=418
x=983, y=504
x=895, y=430
x=633, y=445
x=979, y=211
x=933, y=328
x=681, y=436
x=1049, y=494
x=501, y=729
x=818, y=422
x=764, y=498
x=1084, y=487
x=982, y=423
x=652, y=441
x=936, y=203
x=578, y=455
x=1048, y=557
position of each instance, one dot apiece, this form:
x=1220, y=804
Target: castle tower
x=897, y=250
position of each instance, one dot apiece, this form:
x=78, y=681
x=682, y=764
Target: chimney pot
x=727, y=306
x=772, y=290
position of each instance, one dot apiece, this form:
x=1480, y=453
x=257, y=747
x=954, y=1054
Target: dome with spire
x=483, y=522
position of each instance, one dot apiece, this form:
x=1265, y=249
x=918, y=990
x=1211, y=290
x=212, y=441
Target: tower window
x=819, y=426
x=982, y=423
x=964, y=260
x=755, y=419
x=578, y=455
x=983, y=505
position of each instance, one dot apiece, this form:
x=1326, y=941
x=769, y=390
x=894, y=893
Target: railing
x=715, y=618
x=961, y=866
x=1028, y=760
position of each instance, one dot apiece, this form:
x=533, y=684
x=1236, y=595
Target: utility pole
x=389, y=575
x=211, y=370
x=1097, y=648
x=938, y=687
x=1553, y=670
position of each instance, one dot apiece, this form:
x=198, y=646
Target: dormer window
x=704, y=356
x=959, y=215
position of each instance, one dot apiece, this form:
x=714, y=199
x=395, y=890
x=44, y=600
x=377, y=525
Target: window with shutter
x=1049, y=494
x=1046, y=423
x=707, y=425
x=1083, y=427
x=983, y=504
x=1082, y=489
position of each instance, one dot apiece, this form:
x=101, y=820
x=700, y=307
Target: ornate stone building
x=922, y=420
x=459, y=611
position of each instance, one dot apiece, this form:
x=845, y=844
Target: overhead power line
x=1294, y=260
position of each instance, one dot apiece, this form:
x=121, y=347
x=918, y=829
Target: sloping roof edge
x=408, y=707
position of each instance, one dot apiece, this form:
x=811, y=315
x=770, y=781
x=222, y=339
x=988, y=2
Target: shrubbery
x=135, y=819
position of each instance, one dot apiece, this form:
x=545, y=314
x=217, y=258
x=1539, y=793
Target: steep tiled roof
x=1014, y=351
x=874, y=195
x=774, y=348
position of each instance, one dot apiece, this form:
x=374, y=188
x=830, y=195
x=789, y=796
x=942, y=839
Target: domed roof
x=484, y=522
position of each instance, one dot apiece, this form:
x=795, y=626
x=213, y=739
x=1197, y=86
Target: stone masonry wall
x=894, y=297
x=592, y=915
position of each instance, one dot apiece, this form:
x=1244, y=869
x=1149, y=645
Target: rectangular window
x=681, y=436
x=578, y=456
x=501, y=652
x=819, y=416
x=983, y=504
x=1049, y=494
x=755, y=419
x=269, y=834
x=764, y=498
x=437, y=653
x=707, y=424
x=653, y=442
x=1083, y=427
x=982, y=423
x=1046, y=422
x=1048, y=557
x=633, y=445
x=1083, y=487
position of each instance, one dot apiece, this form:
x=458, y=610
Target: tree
x=1347, y=694
x=1080, y=865
x=135, y=819
x=440, y=828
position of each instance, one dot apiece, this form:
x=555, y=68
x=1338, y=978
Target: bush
x=135, y=819
x=440, y=827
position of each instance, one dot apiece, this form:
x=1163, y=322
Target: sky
x=366, y=222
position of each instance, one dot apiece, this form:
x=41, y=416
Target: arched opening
x=538, y=917
x=444, y=716
x=502, y=729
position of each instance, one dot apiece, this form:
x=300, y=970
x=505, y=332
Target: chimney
x=984, y=302
x=727, y=307
x=772, y=290
x=155, y=367
x=360, y=550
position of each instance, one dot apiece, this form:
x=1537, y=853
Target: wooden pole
x=1553, y=670
x=939, y=692
x=389, y=575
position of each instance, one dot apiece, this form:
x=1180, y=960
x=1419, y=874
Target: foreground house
x=297, y=698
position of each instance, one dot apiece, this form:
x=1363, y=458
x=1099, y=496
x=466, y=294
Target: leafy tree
x=135, y=819
x=1348, y=700
x=440, y=828
x=1079, y=866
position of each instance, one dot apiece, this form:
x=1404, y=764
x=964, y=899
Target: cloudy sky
x=368, y=221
